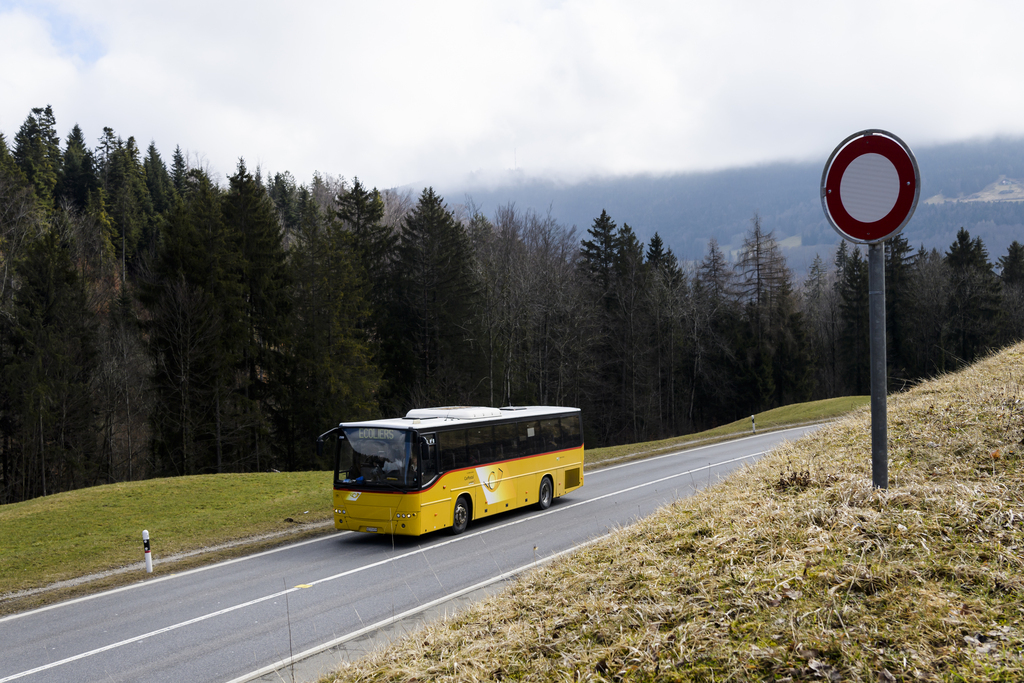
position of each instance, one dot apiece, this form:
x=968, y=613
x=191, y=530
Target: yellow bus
x=440, y=468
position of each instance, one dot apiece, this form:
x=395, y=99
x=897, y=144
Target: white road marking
x=161, y=579
x=465, y=537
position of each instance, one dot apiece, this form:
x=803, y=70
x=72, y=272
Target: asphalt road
x=229, y=621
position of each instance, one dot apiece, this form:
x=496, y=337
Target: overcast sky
x=425, y=93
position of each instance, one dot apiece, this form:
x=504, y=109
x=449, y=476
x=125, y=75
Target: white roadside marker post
x=145, y=546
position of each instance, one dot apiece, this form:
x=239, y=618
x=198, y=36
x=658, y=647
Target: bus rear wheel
x=546, y=494
x=460, y=516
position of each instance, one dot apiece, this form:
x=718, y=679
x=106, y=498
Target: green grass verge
x=786, y=416
x=78, y=533
x=90, y=531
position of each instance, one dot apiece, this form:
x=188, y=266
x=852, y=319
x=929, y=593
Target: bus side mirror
x=320, y=440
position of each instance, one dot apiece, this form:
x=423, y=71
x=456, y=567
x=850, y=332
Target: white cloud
x=412, y=92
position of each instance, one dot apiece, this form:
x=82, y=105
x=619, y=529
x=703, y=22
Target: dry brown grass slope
x=794, y=569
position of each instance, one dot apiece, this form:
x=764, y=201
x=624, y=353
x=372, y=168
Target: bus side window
x=428, y=462
x=457, y=444
x=480, y=444
x=551, y=432
x=505, y=441
x=529, y=438
x=571, y=431
x=453, y=449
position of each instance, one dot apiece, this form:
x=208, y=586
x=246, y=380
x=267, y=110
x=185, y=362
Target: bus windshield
x=377, y=457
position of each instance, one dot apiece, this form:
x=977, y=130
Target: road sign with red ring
x=870, y=186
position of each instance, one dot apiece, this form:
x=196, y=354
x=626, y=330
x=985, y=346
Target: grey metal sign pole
x=869, y=190
x=879, y=411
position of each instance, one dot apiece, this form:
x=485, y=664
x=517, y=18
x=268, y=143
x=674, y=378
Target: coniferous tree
x=331, y=376
x=106, y=232
x=128, y=201
x=974, y=298
x=361, y=212
x=1011, y=266
x=667, y=290
x=109, y=143
x=158, y=180
x=821, y=310
x=656, y=253
x=37, y=153
x=178, y=169
x=629, y=333
x=842, y=253
x=599, y=253
x=19, y=216
x=8, y=165
x=78, y=181
x=189, y=410
x=712, y=319
x=53, y=360
x=777, y=358
x=607, y=258
x=284, y=192
x=161, y=192
x=854, y=339
x=930, y=287
x=20, y=221
x=899, y=304
x=717, y=276
x=438, y=292
x=364, y=289
x=123, y=392
x=250, y=220
x=196, y=336
x=761, y=275
x=1011, y=275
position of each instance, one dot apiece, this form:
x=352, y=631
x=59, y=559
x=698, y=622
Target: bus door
x=493, y=449
x=435, y=501
x=530, y=443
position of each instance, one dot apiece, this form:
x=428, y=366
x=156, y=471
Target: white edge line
x=697, y=448
x=141, y=583
x=355, y=634
x=135, y=639
x=271, y=668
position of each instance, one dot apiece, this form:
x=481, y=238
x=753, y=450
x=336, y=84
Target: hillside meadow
x=793, y=569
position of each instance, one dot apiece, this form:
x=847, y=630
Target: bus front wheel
x=546, y=493
x=460, y=516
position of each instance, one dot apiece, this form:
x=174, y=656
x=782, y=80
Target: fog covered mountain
x=978, y=185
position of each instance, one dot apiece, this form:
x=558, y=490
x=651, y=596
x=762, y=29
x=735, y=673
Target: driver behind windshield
x=393, y=460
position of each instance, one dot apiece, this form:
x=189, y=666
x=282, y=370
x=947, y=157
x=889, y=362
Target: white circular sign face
x=869, y=188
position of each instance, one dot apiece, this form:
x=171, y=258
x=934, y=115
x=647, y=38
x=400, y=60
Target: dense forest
x=156, y=323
